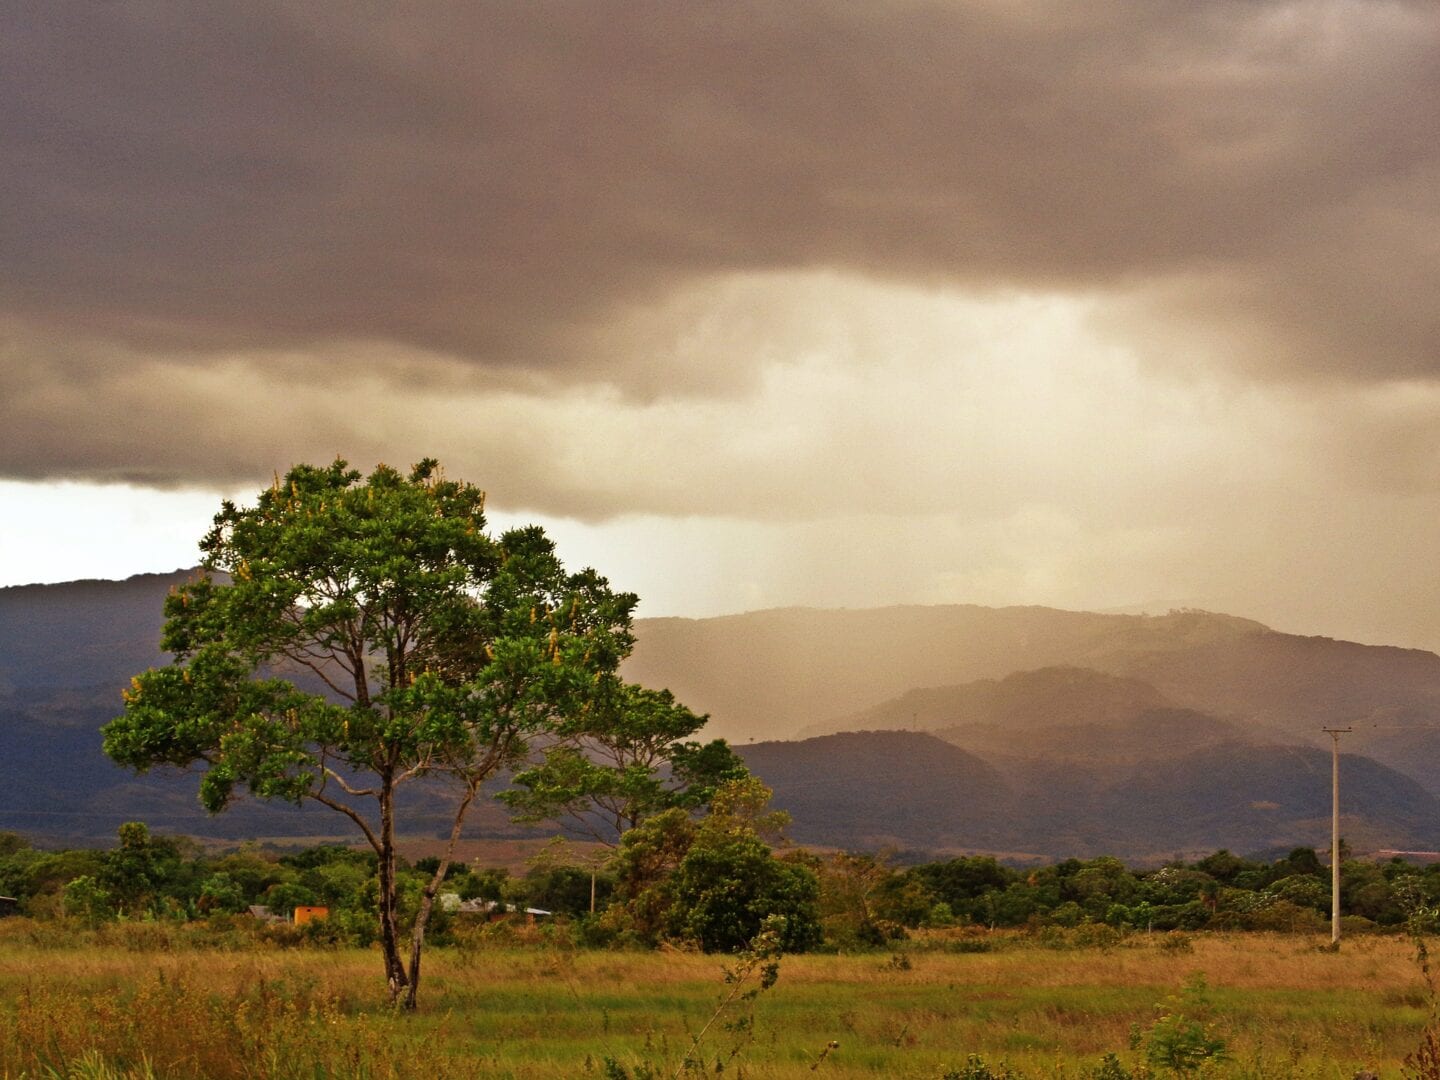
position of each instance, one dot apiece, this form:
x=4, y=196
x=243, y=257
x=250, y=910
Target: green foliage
x=728, y=885
x=860, y=897
x=566, y=889
x=284, y=898
x=1225, y=867
x=421, y=647
x=1302, y=890
x=1100, y=882
x=86, y=899
x=702, y=881
x=1182, y=1039
x=441, y=648
x=962, y=883
x=626, y=759
x=714, y=881
x=136, y=873
x=976, y=1068
x=220, y=893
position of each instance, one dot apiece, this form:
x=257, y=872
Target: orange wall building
x=305, y=914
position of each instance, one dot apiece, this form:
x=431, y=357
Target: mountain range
x=1027, y=732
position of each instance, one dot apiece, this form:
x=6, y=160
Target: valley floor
x=140, y=1007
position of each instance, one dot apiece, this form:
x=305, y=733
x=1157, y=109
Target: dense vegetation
x=709, y=882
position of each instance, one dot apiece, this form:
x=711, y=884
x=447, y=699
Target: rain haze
x=1117, y=305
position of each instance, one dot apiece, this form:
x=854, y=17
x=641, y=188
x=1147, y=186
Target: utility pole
x=1335, y=733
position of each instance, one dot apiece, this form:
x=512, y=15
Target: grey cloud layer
x=496, y=182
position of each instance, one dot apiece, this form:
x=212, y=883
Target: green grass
x=108, y=1011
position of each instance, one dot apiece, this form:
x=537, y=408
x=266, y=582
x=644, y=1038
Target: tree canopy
x=348, y=635
x=715, y=881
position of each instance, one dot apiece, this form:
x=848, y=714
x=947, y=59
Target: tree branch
x=299, y=657
x=331, y=774
x=353, y=814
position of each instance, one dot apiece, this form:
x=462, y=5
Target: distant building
x=9, y=906
x=305, y=913
x=494, y=911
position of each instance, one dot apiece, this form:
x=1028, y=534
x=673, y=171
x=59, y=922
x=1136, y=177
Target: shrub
x=1182, y=1039
x=976, y=1068
x=1282, y=915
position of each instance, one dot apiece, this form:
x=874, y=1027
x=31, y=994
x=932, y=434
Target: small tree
x=1183, y=1039
x=715, y=881
x=350, y=635
x=628, y=758
x=86, y=899
x=135, y=873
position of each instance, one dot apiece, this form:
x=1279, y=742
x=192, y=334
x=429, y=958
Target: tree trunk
x=388, y=901
x=417, y=939
x=427, y=899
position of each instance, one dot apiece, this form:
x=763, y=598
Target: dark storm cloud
x=502, y=184
x=480, y=178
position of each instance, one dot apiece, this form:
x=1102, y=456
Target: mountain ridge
x=1068, y=716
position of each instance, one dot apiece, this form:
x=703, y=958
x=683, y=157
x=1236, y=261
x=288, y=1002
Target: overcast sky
x=1106, y=305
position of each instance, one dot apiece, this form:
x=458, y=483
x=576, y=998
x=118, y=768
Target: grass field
x=143, y=1003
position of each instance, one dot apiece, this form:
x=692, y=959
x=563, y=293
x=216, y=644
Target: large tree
x=350, y=635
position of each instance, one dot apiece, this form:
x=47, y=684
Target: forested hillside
x=1022, y=731
x=911, y=791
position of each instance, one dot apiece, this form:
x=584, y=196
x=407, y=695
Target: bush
x=1176, y=942
x=1356, y=924
x=1284, y=916
x=1110, y=1068
x=1182, y=1039
x=726, y=886
x=976, y=1068
x=940, y=916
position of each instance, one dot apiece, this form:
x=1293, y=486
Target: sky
x=1123, y=305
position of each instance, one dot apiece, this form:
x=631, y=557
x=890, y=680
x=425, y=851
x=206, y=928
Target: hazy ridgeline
x=1032, y=732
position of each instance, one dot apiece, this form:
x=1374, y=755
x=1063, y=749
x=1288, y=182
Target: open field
x=142, y=1003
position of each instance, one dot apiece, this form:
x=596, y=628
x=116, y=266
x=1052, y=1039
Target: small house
x=305, y=913
x=494, y=912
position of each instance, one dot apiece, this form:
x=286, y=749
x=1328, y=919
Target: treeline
x=707, y=882
x=1219, y=892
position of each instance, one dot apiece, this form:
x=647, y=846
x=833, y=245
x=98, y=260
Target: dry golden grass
x=1287, y=1008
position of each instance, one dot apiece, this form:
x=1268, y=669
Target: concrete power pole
x=1335, y=733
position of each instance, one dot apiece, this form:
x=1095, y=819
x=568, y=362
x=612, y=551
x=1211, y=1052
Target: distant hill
x=66, y=653
x=1149, y=735
x=890, y=789
x=779, y=674
x=1047, y=732
x=1059, y=714
x=911, y=791
x=81, y=633
x=1024, y=700
x=772, y=674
